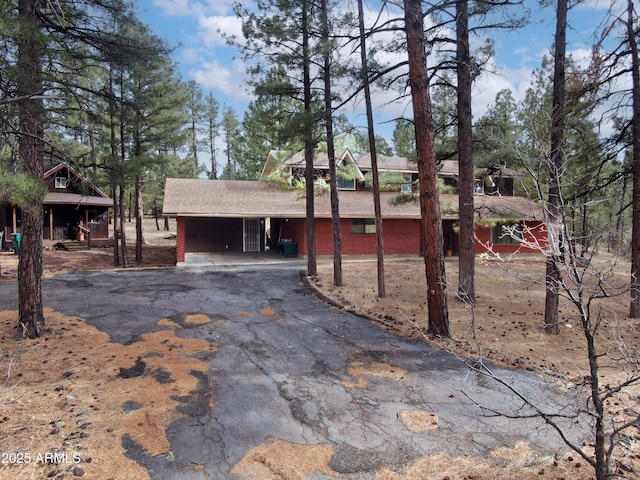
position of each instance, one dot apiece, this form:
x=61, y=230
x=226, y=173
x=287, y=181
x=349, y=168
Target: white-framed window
x=405, y=187
x=61, y=182
x=363, y=225
x=346, y=183
x=507, y=233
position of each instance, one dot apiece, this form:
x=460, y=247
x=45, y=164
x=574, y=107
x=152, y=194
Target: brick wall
x=295, y=229
x=401, y=237
x=181, y=239
x=534, y=233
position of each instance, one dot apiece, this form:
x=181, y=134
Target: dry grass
x=505, y=327
x=68, y=394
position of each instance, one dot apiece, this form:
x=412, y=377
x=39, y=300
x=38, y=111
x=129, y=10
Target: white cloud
x=615, y=5
x=214, y=29
x=181, y=8
x=189, y=56
x=174, y=7
x=230, y=81
x=219, y=7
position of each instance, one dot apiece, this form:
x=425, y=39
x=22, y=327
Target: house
x=354, y=173
x=71, y=201
x=253, y=216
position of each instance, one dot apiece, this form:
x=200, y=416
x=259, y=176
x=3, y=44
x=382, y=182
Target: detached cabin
x=71, y=202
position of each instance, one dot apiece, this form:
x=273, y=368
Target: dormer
x=348, y=172
x=282, y=166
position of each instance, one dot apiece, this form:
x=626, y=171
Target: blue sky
x=193, y=27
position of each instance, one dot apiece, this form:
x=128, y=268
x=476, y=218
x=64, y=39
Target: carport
x=221, y=234
x=215, y=216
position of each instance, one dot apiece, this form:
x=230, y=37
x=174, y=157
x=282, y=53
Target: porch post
x=51, y=223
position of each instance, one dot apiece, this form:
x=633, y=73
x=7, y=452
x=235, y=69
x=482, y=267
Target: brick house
x=255, y=216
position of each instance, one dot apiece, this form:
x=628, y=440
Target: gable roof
x=97, y=198
x=234, y=198
x=276, y=158
x=62, y=166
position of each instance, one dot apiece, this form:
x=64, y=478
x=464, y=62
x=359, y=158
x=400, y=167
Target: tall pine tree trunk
x=116, y=228
x=309, y=145
x=123, y=236
x=331, y=151
x=374, y=155
x=427, y=172
x=114, y=160
x=634, y=309
x=467, y=257
x=139, y=217
x=212, y=148
x=137, y=157
x=555, y=206
x=31, y=115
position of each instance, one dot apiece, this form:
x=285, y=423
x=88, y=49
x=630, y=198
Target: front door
x=251, y=234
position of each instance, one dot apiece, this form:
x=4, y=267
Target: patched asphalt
x=286, y=375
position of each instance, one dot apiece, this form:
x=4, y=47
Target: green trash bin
x=290, y=249
x=16, y=238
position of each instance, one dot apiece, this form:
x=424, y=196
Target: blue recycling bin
x=16, y=238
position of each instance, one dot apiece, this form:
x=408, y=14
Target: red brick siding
x=181, y=238
x=535, y=231
x=294, y=229
x=401, y=237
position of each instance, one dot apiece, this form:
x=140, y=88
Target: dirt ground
x=67, y=399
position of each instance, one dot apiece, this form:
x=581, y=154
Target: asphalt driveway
x=289, y=379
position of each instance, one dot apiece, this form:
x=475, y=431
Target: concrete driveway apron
x=287, y=375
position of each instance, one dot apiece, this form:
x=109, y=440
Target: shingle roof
x=228, y=198
x=399, y=164
x=449, y=168
x=55, y=198
x=321, y=160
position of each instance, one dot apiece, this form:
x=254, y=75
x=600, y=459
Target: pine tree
x=196, y=110
x=212, y=109
x=280, y=34
x=231, y=131
x=429, y=197
x=73, y=54
x=267, y=125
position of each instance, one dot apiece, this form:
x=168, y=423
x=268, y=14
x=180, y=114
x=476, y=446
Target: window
x=363, y=225
x=346, y=183
x=61, y=182
x=507, y=233
x=406, y=186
